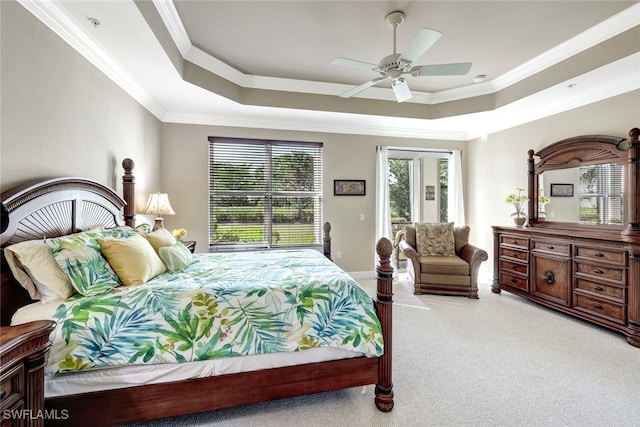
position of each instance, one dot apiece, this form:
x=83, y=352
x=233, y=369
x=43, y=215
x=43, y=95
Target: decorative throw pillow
x=143, y=228
x=435, y=239
x=33, y=265
x=176, y=257
x=160, y=238
x=80, y=258
x=133, y=259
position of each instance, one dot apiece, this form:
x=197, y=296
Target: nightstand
x=190, y=244
x=22, y=359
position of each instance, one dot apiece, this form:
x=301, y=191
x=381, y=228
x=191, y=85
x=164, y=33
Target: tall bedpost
x=384, y=306
x=326, y=246
x=129, y=193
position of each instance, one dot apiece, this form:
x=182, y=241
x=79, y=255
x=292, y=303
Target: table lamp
x=158, y=204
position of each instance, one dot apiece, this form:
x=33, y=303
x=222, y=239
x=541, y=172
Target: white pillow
x=34, y=267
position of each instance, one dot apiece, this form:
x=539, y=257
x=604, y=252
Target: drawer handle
x=598, y=255
x=514, y=281
x=514, y=267
x=549, y=277
x=550, y=247
x=599, y=289
x=513, y=242
x=598, y=306
x=597, y=271
x=3, y=393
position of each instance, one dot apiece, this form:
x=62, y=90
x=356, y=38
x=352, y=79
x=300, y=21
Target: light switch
x=361, y=217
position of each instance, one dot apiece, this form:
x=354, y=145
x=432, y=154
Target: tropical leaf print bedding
x=218, y=307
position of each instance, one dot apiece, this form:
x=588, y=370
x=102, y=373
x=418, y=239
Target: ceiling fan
x=396, y=65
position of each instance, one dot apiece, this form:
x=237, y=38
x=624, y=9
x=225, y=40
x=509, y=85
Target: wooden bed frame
x=61, y=206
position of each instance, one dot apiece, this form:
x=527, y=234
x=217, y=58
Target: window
x=264, y=194
x=600, y=192
x=413, y=175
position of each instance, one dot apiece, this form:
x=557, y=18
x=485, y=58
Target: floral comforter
x=217, y=307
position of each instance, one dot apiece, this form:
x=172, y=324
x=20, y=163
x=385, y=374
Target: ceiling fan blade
x=401, y=89
x=356, y=90
x=353, y=63
x=419, y=45
x=458, y=69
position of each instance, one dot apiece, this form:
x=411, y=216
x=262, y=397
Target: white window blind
x=601, y=194
x=264, y=194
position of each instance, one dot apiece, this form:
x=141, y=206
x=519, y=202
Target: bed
x=275, y=367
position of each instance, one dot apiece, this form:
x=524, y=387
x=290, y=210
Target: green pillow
x=80, y=258
x=176, y=257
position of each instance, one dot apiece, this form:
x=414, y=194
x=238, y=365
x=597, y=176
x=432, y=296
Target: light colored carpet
x=496, y=361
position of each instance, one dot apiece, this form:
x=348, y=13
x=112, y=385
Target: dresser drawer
x=604, y=309
x=551, y=279
x=12, y=386
x=514, y=267
x=599, y=271
x=599, y=289
x=609, y=255
x=514, y=281
x=514, y=253
x=551, y=247
x=521, y=242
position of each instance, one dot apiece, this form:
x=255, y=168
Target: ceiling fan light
x=401, y=89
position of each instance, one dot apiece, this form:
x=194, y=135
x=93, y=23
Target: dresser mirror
x=592, y=194
x=578, y=181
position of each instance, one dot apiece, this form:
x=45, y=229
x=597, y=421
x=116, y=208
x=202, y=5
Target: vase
x=519, y=221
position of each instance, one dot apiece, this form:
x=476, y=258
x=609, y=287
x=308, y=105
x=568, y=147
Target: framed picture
x=349, y=187
x=561, y=190
x=430, y=192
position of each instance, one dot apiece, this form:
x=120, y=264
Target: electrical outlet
x=361, y=217
x=339, y=254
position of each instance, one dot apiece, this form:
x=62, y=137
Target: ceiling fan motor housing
x=392, y=64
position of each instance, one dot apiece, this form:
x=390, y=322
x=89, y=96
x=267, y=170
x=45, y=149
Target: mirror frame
x=573, y=152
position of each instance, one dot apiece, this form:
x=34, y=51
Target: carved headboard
x=52, y=208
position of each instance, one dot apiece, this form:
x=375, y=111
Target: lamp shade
x=158, y=204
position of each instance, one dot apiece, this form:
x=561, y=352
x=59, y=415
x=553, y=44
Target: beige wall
x=495, y=166
x=60, y=116
x=185, y=178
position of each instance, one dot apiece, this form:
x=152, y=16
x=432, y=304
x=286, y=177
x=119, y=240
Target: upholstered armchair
x=441, y=260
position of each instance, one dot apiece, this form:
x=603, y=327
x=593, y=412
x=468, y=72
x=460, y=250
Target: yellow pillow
x=33, y=265
x=133, y=259
x=160, y=238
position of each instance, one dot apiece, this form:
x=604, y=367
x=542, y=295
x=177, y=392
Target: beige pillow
x=133, y=259
x=33, y=265
x=160, y=238
x=435, y=239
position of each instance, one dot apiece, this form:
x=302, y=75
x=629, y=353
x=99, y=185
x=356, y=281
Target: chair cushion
x=410, y=235
x=435, y=239
x=449, y=265
x=461, y=236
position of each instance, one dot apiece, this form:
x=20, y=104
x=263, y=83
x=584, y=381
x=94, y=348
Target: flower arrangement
x=517, y=200
x=542, y=201
x=179, y=234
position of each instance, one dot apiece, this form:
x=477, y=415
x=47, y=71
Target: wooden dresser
x=588, y=270
x=594, y=277
x=22, y=360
